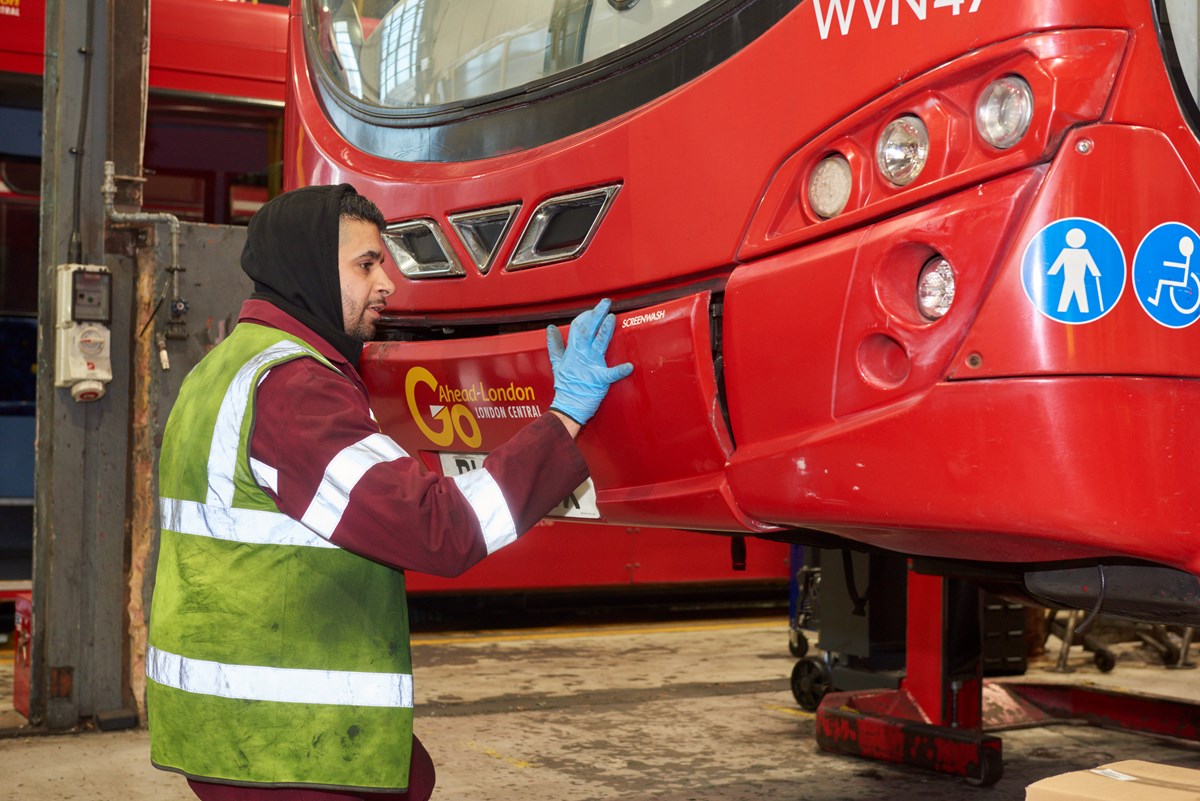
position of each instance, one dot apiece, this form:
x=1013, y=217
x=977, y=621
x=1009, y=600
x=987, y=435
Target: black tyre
x=811, y=681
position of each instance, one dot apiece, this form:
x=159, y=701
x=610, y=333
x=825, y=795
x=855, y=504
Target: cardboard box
x=1130, y=780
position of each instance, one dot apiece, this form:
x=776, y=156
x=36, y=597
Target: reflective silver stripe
x=252, y=526
x=341, y=475
x=486, y=498
x=283, y=685
x=266, y=476
x=222, y=456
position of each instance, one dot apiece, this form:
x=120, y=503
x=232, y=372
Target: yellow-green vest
x=274, y=657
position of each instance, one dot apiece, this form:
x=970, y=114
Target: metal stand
x=934, y=719
x=939, y=716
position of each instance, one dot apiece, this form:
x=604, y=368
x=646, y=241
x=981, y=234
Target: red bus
x=912, y=274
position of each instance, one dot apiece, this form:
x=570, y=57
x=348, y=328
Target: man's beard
x=360, y=329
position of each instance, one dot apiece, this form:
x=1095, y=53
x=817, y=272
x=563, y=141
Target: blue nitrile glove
x=581, y=376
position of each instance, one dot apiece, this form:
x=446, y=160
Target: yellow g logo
x=455, y=419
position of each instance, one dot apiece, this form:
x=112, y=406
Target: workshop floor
x=695, y=711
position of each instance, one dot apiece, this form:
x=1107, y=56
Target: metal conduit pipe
x=179, y=306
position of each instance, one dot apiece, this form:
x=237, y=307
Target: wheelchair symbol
x=1167, y=286
x=1186, y=248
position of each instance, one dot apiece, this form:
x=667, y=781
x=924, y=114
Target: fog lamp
x=829, y=186
x=1004, y=111
x=935, y=288
x=903, y=149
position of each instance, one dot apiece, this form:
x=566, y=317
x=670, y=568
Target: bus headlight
x=903, y=150
x=1004, y=111
x=829, y=186
x=935, y=288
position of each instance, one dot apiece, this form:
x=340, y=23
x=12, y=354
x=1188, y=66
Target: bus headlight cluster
x=935, y=288
x=903, y=150
x=1004, y=111
x=829, y=186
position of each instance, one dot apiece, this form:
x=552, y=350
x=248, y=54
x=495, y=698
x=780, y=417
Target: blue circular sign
x=1166, y=275
x=1073, y=270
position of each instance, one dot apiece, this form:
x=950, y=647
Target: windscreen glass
x=408, y=54
x=1181, y=33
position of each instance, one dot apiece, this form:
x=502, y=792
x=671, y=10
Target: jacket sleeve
x=317, y=451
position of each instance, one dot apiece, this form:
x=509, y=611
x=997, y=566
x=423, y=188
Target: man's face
x=364, y=282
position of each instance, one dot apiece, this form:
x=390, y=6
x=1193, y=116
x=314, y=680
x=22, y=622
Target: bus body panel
x=22, y=38
x=667, y=462
x=246, y=58
x=1040, y=470
x=227, y=50
x=565, y=555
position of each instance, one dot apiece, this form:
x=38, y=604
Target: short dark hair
x=357, y=207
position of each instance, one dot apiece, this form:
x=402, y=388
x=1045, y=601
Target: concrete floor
x=695, y=711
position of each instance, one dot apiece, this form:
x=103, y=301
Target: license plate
x=580, y=504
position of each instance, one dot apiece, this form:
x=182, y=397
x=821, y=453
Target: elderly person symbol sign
x=1073, y=271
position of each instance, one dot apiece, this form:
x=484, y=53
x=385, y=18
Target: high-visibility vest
x=274, y=657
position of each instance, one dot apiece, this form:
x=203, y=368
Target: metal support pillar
x=79, y=667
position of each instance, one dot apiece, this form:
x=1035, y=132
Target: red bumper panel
x=657, y=448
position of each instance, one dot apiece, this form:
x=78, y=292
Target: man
x=278, y=661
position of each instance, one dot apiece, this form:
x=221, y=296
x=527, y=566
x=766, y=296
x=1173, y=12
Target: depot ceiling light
x=1004, y=111
x=829, y=186
x=903, y=150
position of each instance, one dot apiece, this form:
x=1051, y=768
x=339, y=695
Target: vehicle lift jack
x=940, y=716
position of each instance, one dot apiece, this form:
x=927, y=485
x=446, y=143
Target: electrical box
x=84, y=312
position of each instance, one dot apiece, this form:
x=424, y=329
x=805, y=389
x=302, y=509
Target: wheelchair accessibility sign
x=1073, y=271
x=1165, y=275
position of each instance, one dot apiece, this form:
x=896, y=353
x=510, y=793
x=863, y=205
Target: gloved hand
x=581, y=376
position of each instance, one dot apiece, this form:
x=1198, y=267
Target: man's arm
x=330, y=468
x=572, y=427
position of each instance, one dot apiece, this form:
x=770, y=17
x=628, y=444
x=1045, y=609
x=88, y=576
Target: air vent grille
x=562, y=227
x=421, y=250
x=482, y=232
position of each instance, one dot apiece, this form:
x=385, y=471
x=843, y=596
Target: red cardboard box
x=24, y=620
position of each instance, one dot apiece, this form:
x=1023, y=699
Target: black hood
x=291, y=254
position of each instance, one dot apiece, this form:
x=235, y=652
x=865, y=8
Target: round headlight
x=1004, y=111
x=829, y=186
x=935, y=288
x=903, y=149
